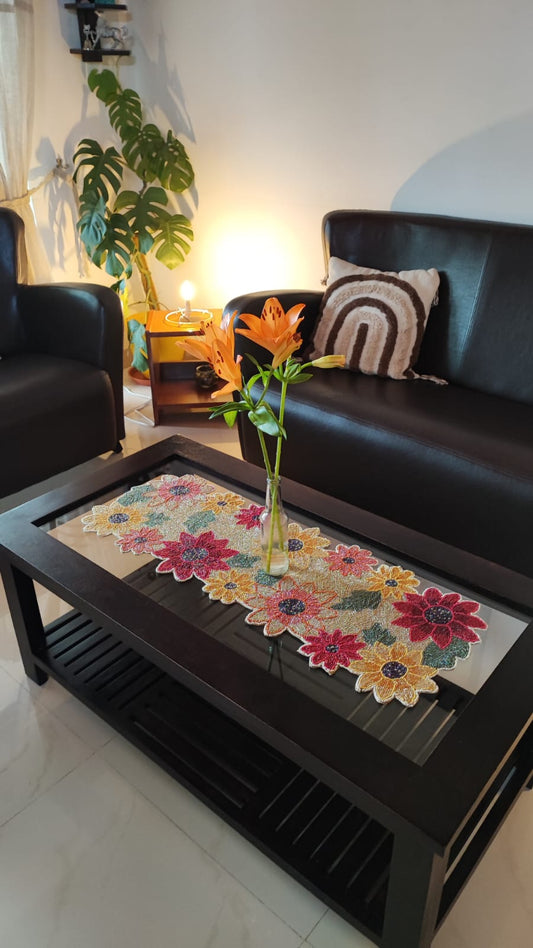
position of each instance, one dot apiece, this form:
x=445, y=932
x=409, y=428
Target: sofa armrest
x=81, y=321
x=254, y=302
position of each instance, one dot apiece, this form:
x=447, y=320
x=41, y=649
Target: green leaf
x=145, y=213
x=243, y=561
x=174, y=169
x=229, y=418
x=358, y=600
x=200, y=521
x=301, y=377
x=101, y=170
x=137, y=339
x=116, y=249
x=103, y=83
x=264, y=419
x=447, y=657
x=125, y=113
x=142, y=152
x=377, y=633
x=173, y=240
x=227, y=408
x=92, y=223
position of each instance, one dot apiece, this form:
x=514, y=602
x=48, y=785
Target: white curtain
x=17, y=77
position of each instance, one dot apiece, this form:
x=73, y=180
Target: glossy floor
x=99, y=848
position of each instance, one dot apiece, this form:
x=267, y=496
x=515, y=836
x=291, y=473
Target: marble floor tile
x=36, y=748
x=294, y=904
x=93, y=864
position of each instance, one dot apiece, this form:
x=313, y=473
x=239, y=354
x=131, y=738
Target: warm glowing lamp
x=187, y=293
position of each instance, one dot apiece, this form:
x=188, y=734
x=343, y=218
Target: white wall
x=291, y=108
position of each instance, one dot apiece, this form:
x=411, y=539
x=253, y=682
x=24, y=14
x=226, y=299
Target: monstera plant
x=124, y=212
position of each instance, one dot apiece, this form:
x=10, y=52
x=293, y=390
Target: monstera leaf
x=145, y=213
x=141, y=152
x=104, y=84
x=92, y=224
x=117, y=248
x=173, y=240
x=174, y=168
x=124, y=105
x=102, y=170
x=137, y=339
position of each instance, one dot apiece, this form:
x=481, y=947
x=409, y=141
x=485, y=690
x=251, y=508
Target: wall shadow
x=488, y=175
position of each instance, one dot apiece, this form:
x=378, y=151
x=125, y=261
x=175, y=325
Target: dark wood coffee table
x=381, y=811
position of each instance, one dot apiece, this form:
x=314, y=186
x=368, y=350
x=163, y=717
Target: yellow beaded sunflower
x=394, y=672
x=222, y=502
x=391, y=581
x=304, y=543
x=106, y=519
x=230, y=586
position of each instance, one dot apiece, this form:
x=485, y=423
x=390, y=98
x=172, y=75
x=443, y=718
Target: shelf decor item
x=122, y=222
x=93, y=47
x=276, y=331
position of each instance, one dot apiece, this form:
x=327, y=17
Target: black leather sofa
x=61, y=396
x=454, y=462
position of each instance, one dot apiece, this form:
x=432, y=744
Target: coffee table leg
x=26, y=617
x=414, y=893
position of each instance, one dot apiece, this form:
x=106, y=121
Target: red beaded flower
x=193, y=556
x=173, y=491
x=249, y=517
x=350, y=560
x=331, y=650
x=140, y=541
x=439, y=616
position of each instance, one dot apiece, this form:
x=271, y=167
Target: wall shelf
x=87, y=17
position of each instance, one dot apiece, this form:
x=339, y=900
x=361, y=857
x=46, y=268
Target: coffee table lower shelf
x=336, y=850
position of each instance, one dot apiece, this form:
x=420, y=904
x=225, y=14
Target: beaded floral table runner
x=346, y=609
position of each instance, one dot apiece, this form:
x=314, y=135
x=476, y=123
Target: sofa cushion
x=49, y=413
x=377, y=319
x=479, y=335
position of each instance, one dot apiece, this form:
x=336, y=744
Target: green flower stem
x=275, y=520
x=266, y=459
x=284, y=386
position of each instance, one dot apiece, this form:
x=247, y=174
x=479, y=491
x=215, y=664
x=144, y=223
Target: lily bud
x=329, y=362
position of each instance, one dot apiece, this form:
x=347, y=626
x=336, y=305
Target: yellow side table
x=172, y=371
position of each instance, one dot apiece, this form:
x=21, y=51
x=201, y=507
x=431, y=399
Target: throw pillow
x=376, y=319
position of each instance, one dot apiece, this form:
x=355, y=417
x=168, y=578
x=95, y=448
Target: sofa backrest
x=480, y=334
x=12, y=269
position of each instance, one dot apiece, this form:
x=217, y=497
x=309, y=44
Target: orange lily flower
x=275, y=329
x=215, y=345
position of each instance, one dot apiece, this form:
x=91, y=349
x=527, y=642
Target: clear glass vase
x=274, y=531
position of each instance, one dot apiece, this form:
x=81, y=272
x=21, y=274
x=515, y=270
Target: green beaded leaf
x=358, y=600
x=136, y=495
x=437, y=657
x=265, y=579
x=198, y=522
x=242, y=561
x=377, y=633
x=154, y=519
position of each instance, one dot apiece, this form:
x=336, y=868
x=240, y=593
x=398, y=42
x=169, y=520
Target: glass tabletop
x=412, y=731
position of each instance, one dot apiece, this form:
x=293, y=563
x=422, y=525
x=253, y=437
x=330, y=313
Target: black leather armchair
x=61, y=399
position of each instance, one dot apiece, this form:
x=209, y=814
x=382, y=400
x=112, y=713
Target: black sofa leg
x=118, y=448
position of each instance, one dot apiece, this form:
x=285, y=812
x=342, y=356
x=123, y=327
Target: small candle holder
x=205, y=375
